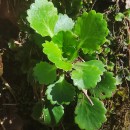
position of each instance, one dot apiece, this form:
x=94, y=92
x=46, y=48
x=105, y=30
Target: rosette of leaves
x=67, y=39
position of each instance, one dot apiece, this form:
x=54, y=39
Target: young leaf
x=92, y=30
x=48, y=115
x=89, y=117
x=87, y=74
x=45, y=73
x=67, y=43
x=64, y=23
x=61, y=92
x=119, y=17
x=55, y=55
x=42, y=17
x=106, y=87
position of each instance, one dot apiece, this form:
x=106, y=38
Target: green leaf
x=42, y=17
x=44, y=73
x=61, y=92
x=106, y=87
x=92, y=30
x=119, y=17
x=53, y=115
x=55, y=55
x=87, y=74
x=48, y=115
x=89, y=117
x=64, y=23
x=67, y=43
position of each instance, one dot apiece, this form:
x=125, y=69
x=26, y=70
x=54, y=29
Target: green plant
x=66, y=76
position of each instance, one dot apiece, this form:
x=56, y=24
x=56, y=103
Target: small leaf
x=45, y=73
x=48, y=115
x=55, y=55
x=90, y=117
x=42, y=17
x=87, y=74
x=92, y=30
x=106, y=87
x=67, y=43
x=119, y=17
x=52, y=115
x=61, y=92
x=64, y=23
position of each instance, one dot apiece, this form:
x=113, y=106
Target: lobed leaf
x=92, y=30
x=64, y=23
x=54, y=54
x=106, y=87
x=67, y=43
x=42, y=17
x=87, y=74
x=89, y=117
x=44, y=73
x=60, y=92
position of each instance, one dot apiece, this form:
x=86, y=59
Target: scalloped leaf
x=89, y=117
x=87, y=74
x=106, y=87
x=61, y=92
x=42, y=17
x=92, y=30
x=54, y=54
x=64, y=23
x=44, y=73
x=48, y=115
x=67, y=43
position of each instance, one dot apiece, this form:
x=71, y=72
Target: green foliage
x=50, y=115
x=119, y=17
x=87, y=74
x=48, y=74
x=64, y=49
x=89, y=117
x=64, y=23
x=55, y=55
x=60, y=92
x=92, y=30
x=42, y=17
x=105, y=88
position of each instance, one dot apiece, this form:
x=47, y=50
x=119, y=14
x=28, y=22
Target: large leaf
x=45, y=73
x=87, y=74
x=48, y=115
x=64, y=23
x=61, y=92
x=67, y=43
x=89, y=117
x=55, y=55
x=92, y=30
x=106, y=87
x=42, y=17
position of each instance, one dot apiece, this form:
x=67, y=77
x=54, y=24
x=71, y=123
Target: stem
x=86, y=94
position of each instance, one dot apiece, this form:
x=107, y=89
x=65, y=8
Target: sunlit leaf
x=42, y=17
x=92, y=30
x=64, y=23
x=87, y=74
x=54, y=54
